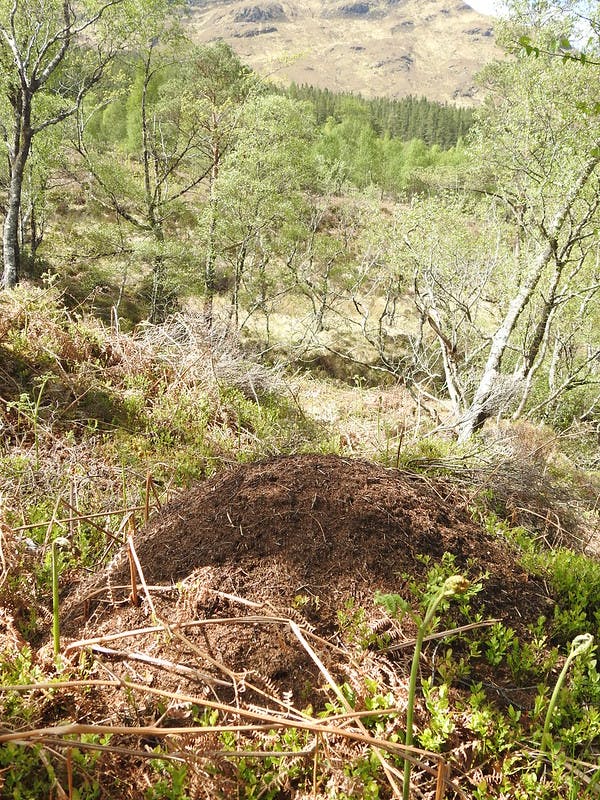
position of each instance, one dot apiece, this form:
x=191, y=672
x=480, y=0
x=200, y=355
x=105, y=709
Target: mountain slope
x=376, y=47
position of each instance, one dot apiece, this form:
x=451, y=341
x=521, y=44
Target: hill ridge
x=390, y=48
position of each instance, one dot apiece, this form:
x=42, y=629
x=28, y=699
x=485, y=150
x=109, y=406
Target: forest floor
x=291, y=547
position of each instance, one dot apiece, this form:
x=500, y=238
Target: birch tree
x=553, y=254
x=177, y=122
x=51, y=54
x=222, y=86
x=262, y=207
x=494, y=296
x=542, y=147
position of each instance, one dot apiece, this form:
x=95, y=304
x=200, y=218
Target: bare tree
x=559, y=239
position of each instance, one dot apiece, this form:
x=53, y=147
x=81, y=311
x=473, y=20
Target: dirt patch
x=301, y=537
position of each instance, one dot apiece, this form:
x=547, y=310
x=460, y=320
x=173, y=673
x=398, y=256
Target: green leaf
x=394, y=604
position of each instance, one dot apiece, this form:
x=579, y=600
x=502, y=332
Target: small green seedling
x=579, y=646
x=452, y=586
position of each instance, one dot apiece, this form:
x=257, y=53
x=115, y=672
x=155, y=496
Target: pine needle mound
x=300, y=537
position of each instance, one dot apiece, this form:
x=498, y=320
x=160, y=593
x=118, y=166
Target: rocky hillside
x=377, y=47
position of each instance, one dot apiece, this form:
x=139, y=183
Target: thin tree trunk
x=211, y=253
x=10, y=232
x=240, y=263
x=159, y=276
x=31, y=228
x=430, y=314
x=534, y=366
x=17, y=158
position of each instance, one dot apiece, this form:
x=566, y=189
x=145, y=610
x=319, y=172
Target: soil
x=309, y=538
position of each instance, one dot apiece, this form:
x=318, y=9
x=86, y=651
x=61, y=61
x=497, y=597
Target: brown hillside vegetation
x=385, y=48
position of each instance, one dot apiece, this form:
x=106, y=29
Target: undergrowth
x=482, y=703
x=87, y=412
x=97, y=425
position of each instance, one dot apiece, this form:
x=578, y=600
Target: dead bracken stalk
x=138, y=567
x=441, y=635
x=322, y=728
x=391, y=772
x=132, y=572
x=237, y=681
x=77, y=518
x=440, y=788
x=248, y=620
x=170, y=666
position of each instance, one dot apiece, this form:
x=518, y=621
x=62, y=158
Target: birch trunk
x=17, y=158
x=210, y=278
x=10, y=231
x=429, y=313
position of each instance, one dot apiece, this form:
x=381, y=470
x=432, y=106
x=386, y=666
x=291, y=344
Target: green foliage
x=440, y=723
x=498, y=642
x=352, y=621
x=492, y=729
x=353, y=153
x=437, y=595
x=181, y=105
x=260, y=212
x=365, y=774
x=575, y=582
x=273, y=775
x=581, y=646
x=409, y=118
x=423, y=592
x=573, y=711
x=18, y=669
x=171, y=781
x=23, y=775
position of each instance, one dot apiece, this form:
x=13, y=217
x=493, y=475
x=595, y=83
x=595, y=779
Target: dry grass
x=196, y=355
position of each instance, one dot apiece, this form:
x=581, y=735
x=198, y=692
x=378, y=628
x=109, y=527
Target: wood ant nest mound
x=308, y=539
